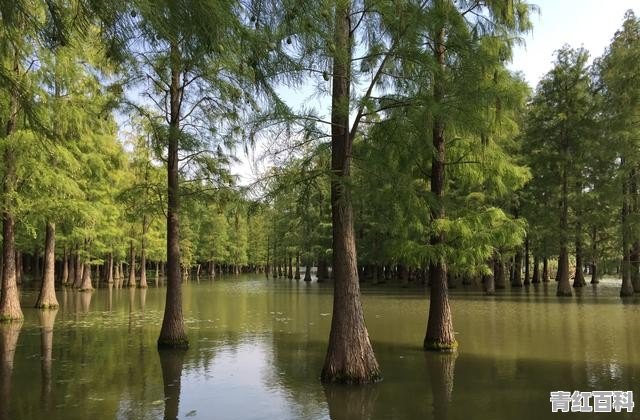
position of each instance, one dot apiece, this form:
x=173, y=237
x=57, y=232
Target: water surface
x=257, y=347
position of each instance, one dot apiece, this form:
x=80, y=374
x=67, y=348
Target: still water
x=257, y=347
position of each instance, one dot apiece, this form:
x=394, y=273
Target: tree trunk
x=627, y=287
x=290, y=272
x=440, y=335
x=297, y=274
x=9, y=299
x=143, y=256
x=517, y=269
x=527, y=278
x=172, y=333
x=594, y=256
x=77, y=279
x=110, y=268
x=500, y=272
x=536, y=270
x=307, y=272
x=488, y=280
x=65, y=267
x=47, y=298
x=132, y=266
x=564, y=287
x=545, y=270
x=86, y=279
x=350, y=357
x=578, y=279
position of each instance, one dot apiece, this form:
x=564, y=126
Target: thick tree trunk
x=172, y=333
x=86, y=279
x=47, y=298
x=536, y=270
x=440, y=335
x=350, y=357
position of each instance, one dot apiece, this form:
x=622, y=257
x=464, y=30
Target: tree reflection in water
x=171, y=361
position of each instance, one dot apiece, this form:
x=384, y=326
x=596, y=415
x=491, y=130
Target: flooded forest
x=327, y=209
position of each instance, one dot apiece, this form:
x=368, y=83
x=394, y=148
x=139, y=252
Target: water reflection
x=47, y=319
x=171, y=362
x=349, y=402
x=441, y=371
x=9, y=333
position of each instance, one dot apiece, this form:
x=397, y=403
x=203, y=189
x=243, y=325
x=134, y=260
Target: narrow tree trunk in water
x=527, y=278
x=350, y=357
x=500, y=272
x=545, y=270
x=290, y=272
x=564, y=287
x=488, y=280
x=536, y=270
x=307, y=272
x=627, y=287
x=110, y=268
x=594, y=256
x=440, y=335
x=297, y=274
x=578, y=279
x=517, y=269
x=77, y=278
x=47, y=297
x=143, y=256
x=172, y=333
x=65, y=267
x=9, y=299
x=132, y=266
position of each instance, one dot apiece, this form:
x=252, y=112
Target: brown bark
x=77, y=280
x=110, y=268
x=65, y=266
x=307, y=272
x=47, y=297
x=536, y=270
x=578, y=279
x=500, y=272
x=440, y=335
x=9, y=298
x=86, y=279
x=172, y=333
x=350, y=357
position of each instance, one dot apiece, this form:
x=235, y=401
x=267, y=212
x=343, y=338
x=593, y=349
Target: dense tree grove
x=433, y=165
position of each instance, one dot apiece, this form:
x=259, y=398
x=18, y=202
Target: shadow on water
x=171, y=362
x=9, y=333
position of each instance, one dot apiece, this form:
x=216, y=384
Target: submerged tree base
x=350, y=378
x=437, y=346
x=47, y=306
x=564, y=293
x=182, y=343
